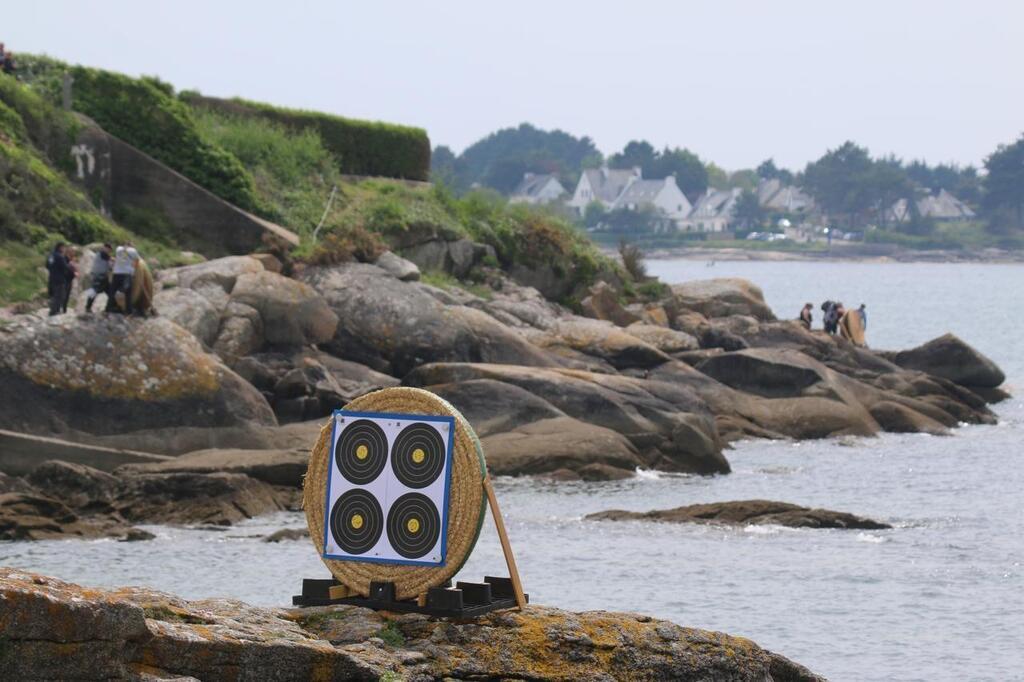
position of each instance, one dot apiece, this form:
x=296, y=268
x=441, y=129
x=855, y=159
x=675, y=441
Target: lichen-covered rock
x=664, y=339
x=747, y=512
x=720, y=298
x=49, y=627
x=113, y=374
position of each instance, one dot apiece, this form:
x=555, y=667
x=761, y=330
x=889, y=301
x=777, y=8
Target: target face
x=388, y=488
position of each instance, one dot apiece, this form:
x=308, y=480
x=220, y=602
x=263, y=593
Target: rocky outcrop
x=747, y=512
x=61, y=500
x=720, y=298
x=602, y=303
x=950, y=358
x=113, y=374
x=393, y=326
x=659, y=418
x=237, y=307
x=601, y=340
x=277, y=467
x=49, y=627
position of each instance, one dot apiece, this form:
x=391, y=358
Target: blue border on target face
x=450, y=421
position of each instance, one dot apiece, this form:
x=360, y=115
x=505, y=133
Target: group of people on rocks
x=7, y=63
x=850, y=324
x=120, y=273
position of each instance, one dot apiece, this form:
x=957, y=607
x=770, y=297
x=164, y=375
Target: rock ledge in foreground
x=747, y=512
x=49, y=627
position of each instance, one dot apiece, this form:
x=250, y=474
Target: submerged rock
x=747, y=512
x=49, y=627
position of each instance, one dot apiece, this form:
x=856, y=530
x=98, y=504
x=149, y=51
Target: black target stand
x=465, y=600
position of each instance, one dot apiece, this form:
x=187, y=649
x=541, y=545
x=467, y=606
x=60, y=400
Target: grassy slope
x=294, y=175
x=39, y=205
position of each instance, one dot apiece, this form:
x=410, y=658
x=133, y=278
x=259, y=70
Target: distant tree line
x=849, y=185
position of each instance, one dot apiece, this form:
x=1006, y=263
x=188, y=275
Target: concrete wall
x=127, y=182
x=20, y=453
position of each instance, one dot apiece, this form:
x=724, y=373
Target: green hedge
x=361, y=147
x=145, y=113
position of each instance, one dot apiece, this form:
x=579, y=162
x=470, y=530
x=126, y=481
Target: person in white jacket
x=121, y=284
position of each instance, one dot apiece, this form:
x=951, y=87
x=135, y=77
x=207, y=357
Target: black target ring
x=414, y=525
x=357, y=521
x=361, y=452
x=418, y=455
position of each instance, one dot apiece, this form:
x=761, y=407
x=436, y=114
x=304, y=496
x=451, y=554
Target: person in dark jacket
x=807, y=316
x=60, y=278
x=100, y=276
x=71, y=256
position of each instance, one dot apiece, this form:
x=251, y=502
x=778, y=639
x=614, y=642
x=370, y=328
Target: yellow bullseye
x=356, y=521
x=413, y=525
x=362, y=451
x=418, y=455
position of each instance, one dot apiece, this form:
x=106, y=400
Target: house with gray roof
x=775, y=196
x=941, y=206
x=537, y=188
x=663, y=195
x=603, y=185
x=713, y=212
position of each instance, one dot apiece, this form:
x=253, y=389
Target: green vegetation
x=359, y=147
x=391, y=635
x=145, y=113
x=442, y=280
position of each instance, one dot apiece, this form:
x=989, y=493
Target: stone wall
x=150, y=199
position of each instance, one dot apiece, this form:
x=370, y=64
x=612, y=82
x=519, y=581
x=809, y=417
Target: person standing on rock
x=806, y=316
x=119, y=297
x=99, y=276
x=69, y=253
x=831, y=317
x=863, y=316
x=60, y=275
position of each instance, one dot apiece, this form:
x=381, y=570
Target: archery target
x=388, y=487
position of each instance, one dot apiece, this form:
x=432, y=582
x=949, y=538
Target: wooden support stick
x=421, y=600
x=510, y=560
x=338, y=592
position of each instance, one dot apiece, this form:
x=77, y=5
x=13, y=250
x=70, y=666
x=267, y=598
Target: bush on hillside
x=361, y=147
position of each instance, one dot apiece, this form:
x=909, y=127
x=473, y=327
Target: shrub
x=361, y=147
x=633, y=260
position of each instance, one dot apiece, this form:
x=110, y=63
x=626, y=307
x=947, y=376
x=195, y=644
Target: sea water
x=938, y=597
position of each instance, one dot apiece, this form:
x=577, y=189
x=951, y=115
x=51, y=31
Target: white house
x=537, y=189
x=713, y=212
x=661, y=194
x=603, y=185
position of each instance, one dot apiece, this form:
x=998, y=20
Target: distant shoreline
x=840, y=254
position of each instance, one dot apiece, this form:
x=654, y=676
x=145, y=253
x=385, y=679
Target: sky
x=735, y=82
